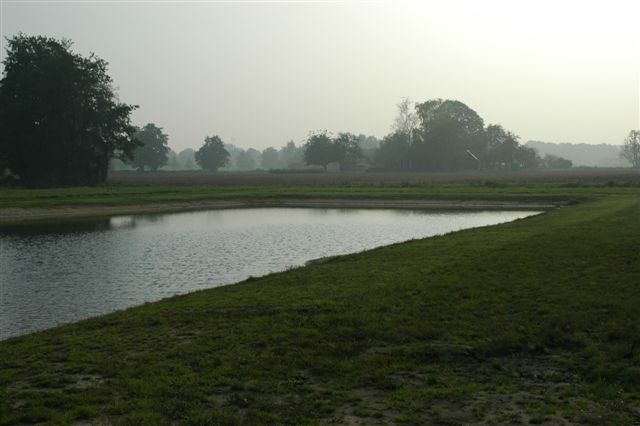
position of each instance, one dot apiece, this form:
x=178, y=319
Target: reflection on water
x=56, y=273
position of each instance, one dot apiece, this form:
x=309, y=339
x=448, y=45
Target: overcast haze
x=261, y=73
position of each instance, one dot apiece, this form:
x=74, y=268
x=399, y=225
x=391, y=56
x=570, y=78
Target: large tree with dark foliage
x=319, y=150
x=395, y=152
x=448, y=136
x=153, y=154
x=60, y=121
x=448, y=131
x=347, y=151
x=212, y=154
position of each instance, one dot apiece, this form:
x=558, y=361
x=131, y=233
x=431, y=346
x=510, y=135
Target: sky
x=261, y=73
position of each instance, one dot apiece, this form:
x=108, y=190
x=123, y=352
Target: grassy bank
x=533, y=321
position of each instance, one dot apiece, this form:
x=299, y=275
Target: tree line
x=450, y=139
x=61, y=123
x=290, y=156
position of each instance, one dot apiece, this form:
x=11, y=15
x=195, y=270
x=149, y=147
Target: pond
x=53, y=274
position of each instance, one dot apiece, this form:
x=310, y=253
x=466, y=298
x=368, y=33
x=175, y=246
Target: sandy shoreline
x=31, y=214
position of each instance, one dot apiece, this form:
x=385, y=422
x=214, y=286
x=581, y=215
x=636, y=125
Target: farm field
x=176, y=189
x=264, y=178
x=533, y=321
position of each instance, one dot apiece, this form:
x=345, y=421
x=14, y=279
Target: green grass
x=534, y=321
x=129, y=195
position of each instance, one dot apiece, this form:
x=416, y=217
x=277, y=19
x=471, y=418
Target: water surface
x=53, y=274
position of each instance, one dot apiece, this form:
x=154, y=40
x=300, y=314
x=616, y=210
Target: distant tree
x=369, y=146
x=60, y=120
x=256, y=156
x=190, y=164
x=582, y=154
x=245, y=161
x=631, y=148
x=347, y=151
x=270, y=159
x=234, y=154
x=174, y=164
x=395, y=152
x=501, y=149
x=447, y=129
x=320, y=150
x=212, y=155
x=186, y=158
x=527, y=158
x=432, y=113
x=555, y=162
x=291, y=155
x=406, y=120
x=153, y=154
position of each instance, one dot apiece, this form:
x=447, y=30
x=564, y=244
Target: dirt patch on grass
x=85, y=381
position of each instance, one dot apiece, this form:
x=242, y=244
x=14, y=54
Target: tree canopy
x=319, y=150
x=245, y=160
x=554, y=162
x=270, y=158
x=154, y=151
x=212, y=155
x=448, y=136
x=395, y=152
x=631, y=148
x=322, y=150
x=347, y=151
x=448, y=131
x=60, y=120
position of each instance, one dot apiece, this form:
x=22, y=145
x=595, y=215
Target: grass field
x=532, y=322
x=260, y=178
x=136, y=188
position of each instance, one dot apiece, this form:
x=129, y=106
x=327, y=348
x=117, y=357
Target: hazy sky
x=260, y=73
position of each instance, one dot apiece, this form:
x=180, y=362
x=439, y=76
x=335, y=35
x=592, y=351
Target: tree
x=448, y=128
x=406, y=121
x=432, y=113
x=502, y=149
x=153, y=154
x=526, y=158
x=319, y=150
x=245, y=161
x=347, y=151
x=174, y=164
x=234, y=154
x=394, y=152
x=369, y=146
x=212, y=155
x=555, y=162
x=256, y=156
x=186, y=158
x=189, y=165
x=291, y=155
x=631, y=148
x=270, y=158
x=60, y=120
